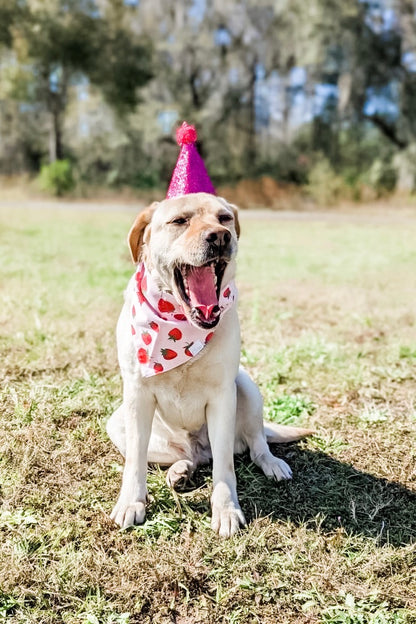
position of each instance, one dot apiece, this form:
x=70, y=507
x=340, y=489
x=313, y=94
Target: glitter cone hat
x=190, y=174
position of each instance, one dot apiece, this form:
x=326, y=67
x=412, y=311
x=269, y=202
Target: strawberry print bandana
x=162, y=335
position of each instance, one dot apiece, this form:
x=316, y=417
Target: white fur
x=206, y=408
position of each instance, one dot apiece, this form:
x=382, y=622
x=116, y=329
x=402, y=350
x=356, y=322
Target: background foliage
x=272, y=86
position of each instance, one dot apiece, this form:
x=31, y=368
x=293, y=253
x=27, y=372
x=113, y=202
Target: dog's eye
x=225, y=218
x=179, y=221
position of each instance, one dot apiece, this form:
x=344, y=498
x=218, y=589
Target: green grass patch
x=328, y=331
x=288, y=409
x=408, y=352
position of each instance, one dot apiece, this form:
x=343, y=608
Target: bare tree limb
x=388, y=130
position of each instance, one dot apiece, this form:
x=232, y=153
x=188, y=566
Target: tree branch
x=388, y=130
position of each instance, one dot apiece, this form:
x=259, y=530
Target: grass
x=327, y=313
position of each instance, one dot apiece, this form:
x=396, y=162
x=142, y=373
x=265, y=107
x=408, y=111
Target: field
x=327, y=306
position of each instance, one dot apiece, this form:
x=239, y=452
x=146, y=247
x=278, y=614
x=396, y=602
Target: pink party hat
x=190, y=174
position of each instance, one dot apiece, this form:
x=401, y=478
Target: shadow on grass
x=324, y=492
x=330, y=493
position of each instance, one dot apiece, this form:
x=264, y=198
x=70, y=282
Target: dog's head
x=190, y=243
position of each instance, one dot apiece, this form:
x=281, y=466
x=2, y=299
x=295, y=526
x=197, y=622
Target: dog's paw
x=179, y=473
x=226, y=521
x=276, y=468
x=129, y=515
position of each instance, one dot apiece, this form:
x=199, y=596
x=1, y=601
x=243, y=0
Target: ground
x=327, y=304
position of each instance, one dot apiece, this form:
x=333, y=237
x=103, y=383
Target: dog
x=207, y=407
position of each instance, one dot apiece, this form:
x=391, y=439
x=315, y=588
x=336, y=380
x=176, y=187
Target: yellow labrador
x=207, y=407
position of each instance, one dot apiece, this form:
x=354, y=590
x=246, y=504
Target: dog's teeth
x=185, y=283
x=214, y=275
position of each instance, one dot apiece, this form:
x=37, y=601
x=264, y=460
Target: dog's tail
x=284, y=433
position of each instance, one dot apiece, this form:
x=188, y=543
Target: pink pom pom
x=186, y=134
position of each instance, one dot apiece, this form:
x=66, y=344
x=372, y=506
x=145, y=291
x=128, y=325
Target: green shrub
x=382, y=177
x=141, y=179
x=57, y=178
x=324, y=185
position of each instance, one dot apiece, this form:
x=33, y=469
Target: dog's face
x=190, y=242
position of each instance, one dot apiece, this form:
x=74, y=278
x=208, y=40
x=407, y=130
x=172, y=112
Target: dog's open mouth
x=199, y=289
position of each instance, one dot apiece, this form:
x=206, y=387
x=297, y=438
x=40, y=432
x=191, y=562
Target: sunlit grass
x=328, y=330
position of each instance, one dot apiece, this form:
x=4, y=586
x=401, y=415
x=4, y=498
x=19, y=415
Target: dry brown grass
x=328, y=331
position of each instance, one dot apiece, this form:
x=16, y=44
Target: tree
x=55, y=43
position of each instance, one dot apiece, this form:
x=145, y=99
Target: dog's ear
x=235, y=213
x=236, y=220
x=136, y=235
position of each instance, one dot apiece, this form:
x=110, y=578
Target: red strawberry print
x=175, y=334
x=227, y=293
x=168, y=354
x=133, y=331
x=179, y=317
x=140, y=296
x=139, y=281
x=142, y=356
x=165, y=306
x=139, y=276
x=208, y=338
x=146, y=337
x=144, y=284
x=154, y=326
x=187, y=352
x=158, y=368
x=133, y=311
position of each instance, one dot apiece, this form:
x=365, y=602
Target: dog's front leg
x=226, y=512
x=139, y=406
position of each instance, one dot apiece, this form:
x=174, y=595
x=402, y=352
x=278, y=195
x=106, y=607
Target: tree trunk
x=56, y=105
x=251, y=142
x=55, y=138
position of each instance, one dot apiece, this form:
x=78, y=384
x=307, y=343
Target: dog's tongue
x=202, y=289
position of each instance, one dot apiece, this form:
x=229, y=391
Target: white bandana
x=162, y=335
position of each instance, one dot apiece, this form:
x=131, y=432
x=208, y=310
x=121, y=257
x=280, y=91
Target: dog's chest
x=183, y=409
x=183, y=394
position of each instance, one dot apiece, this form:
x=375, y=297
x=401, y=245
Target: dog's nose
x=218, y=237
